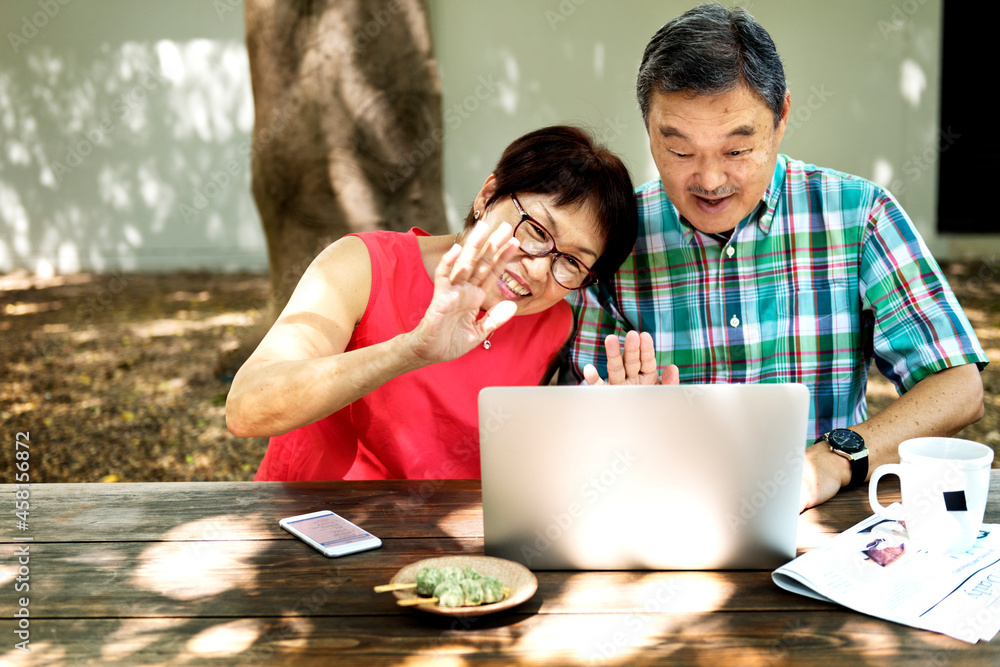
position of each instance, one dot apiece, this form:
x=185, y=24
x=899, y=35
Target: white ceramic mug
x=944, y=484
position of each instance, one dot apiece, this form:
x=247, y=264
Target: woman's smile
x=512, y=286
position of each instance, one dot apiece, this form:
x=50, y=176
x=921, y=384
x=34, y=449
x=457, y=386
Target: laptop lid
x=687, y=477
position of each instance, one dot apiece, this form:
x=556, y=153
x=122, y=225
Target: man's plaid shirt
x=826, y=273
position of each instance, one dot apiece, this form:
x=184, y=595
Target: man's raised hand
x=636, y=365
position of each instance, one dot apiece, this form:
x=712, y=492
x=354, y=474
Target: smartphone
x=330, y=534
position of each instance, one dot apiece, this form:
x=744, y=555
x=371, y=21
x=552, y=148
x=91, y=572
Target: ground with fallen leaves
x=113, y=376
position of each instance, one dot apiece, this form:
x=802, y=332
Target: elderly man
x=751, y=266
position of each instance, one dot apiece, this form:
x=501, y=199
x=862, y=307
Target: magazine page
x=970, y=613
x=872, y=568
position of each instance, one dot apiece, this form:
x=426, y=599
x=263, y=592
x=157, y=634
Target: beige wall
x=164, y=183
x=864, y=77
x=124, y=130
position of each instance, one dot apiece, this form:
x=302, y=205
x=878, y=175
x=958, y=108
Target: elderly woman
x=373, y=369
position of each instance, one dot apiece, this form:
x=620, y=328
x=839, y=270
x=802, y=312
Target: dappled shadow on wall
x=134, y=157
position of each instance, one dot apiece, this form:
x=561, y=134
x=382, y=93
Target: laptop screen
x=655, y=477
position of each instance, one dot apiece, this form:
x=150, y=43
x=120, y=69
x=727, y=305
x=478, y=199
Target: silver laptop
x=689, y=477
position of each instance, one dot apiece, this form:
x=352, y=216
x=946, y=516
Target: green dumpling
x=449, y=594
x=427, y=580
x=451, y=574
x=470, y=573
x=492, y=590
x=472, y=591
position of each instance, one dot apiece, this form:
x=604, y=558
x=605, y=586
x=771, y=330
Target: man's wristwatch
x=851, y=446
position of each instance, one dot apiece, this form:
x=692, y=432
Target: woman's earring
x=476, y=214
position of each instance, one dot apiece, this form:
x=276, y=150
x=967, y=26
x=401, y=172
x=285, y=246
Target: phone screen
x=330, y=530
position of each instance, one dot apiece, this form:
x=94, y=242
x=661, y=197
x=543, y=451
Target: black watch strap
x=859, y=471
x=850, y=445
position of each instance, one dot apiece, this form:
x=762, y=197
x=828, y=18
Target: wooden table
x=200, y=573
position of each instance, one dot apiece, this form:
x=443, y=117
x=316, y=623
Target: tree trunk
x=347, y=134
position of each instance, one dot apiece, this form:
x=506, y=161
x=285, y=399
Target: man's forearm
x=941, y=404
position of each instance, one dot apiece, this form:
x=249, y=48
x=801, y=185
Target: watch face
x=846, y=440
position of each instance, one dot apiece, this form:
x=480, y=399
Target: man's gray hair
x=710, y=50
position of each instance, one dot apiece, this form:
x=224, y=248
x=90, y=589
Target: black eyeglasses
x=536, y=241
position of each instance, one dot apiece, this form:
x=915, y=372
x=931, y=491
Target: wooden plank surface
x=245, y=510
x=720, y=639
x=201, y=573
x=251, y=510
x=281, y=577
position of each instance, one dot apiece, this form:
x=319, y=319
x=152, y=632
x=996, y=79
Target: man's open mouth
x=713, y=201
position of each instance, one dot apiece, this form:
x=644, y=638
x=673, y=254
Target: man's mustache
x=723, y=191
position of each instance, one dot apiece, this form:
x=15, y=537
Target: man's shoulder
x=650, y=190
x=804, y=179
x=801, y=171
x=652, y=199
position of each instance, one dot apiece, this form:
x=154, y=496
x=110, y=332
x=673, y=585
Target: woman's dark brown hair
x=567, y=164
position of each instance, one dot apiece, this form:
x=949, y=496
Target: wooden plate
x=515, y=577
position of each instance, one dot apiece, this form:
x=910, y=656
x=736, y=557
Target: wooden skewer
x=413, y=602
x=385, y=588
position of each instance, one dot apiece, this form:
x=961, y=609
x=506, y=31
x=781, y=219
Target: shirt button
x=735, y=322
x=730, y=251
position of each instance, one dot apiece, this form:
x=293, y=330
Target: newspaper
x=871, y=568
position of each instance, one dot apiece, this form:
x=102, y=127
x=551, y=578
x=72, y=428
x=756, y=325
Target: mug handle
x=894, y=514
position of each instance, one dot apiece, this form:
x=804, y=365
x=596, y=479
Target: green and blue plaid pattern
x=827, y=273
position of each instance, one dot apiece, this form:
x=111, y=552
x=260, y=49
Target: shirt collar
x=771, y=195
x=763, y=213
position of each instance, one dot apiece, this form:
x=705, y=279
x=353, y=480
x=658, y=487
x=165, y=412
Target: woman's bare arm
x=300, y=372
